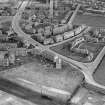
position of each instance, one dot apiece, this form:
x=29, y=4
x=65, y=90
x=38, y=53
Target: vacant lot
x=67, y=78
x=95, y=21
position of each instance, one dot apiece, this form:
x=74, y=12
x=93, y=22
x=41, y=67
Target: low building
x=60, y=29
x=68, y=34
x=58, y=62
x=48, y=41
x=11, y=58
x=40, y=38
x=58, y=38
x=80, y=51
x=88, y=38
x=47, y=32
x=40, y=30
x=80, y=28
x=79, y=96
x=3, y=38
x=2, y=54
x=18, y=52
x=77, y=41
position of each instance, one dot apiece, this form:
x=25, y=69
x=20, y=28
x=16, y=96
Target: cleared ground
x=66, y=79
x=95, y=21
x=99, y=75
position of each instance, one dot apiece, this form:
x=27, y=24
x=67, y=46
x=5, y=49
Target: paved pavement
x=85, y=70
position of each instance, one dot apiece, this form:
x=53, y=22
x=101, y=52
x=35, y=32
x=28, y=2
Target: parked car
x=80, y=28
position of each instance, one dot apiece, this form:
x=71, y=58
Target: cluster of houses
x=9, y=56
x=58, y=34
x=96, y=36
x=6, y=58
x=44, y=29
x=99, y=4
x=10, y=50
x=93, y=36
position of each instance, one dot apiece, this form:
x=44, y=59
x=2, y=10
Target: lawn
x=67, y=78
x=94, y=21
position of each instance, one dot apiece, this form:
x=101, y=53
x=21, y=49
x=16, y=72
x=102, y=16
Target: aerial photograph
x=52, y=52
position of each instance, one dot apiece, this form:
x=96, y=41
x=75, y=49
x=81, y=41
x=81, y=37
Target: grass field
x=99, y=74
x=95, y=21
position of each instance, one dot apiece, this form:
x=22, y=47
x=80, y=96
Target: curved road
x=85, y=70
